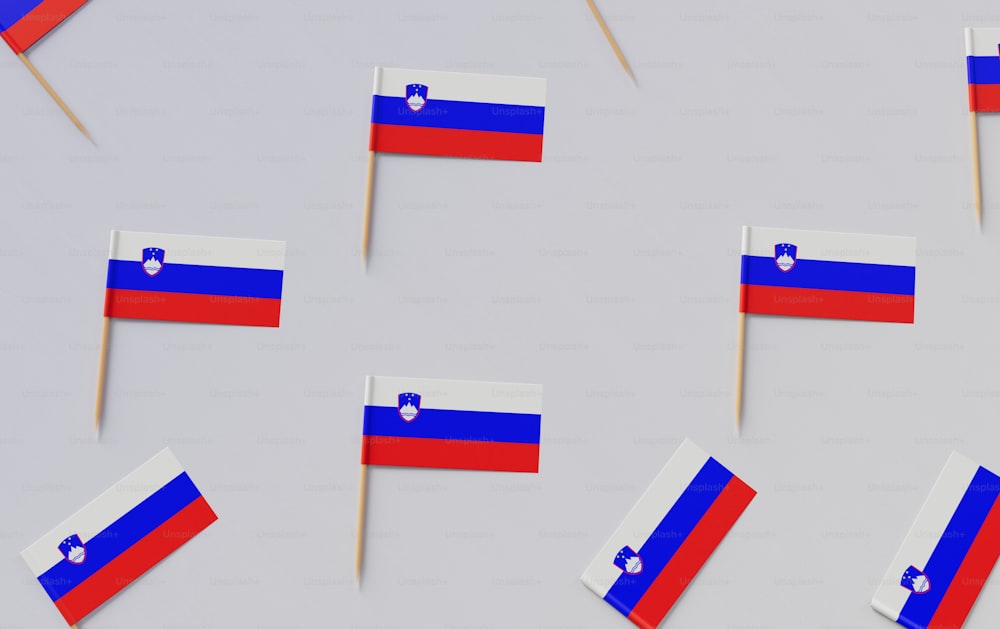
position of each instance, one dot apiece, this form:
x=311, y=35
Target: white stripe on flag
x=460, y=395
x=462, y=86
x=104, y=510
x=835, y=246
x=248, y=253
x=982, y=42
x=925, y=533
x=644, y=517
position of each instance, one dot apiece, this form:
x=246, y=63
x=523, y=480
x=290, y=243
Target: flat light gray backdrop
x=608, y=273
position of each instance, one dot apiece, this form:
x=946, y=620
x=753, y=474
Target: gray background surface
x=608, y=273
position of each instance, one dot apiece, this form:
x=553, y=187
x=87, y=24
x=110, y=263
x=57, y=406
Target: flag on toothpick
x=24, y=22
x=452, y=424
x=452, y=114
x=830, y=275
x=982, y=58
x=203, y=279
x=668, y=536
x=827, y=274
x=121, y=534
x=456, y=424
x=948, y=555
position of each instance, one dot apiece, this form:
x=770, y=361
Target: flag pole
x=362, y=500
x=101, y=369
x=977, y=189
x=740, y=339
x=611, y=40
x=55, y=97
x=368, y=207
x=741, y=328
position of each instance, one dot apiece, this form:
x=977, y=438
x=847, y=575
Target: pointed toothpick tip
x=611, y=40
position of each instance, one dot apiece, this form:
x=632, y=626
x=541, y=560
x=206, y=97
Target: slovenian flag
x=828, y=274
x=455, y=114
x=982, y=49
x=949, y=552
x=24, y=22
x=667, y=537
x=124, y=532
x=452, y=424
x=169, y=277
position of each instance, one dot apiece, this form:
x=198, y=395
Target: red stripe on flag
x=389, y=138
x=984, y=97
x=36, y=23
x=664, y=591
x=450, y=453
x=141, y=304
x=971, y=575
x=140, y=557
x=829, y=304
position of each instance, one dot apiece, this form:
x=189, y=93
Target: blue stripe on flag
x=120, y=535
x=669, y=534
x=197, y=279
x=984, y=70
x=453, y=114
x=433, y=423
x=954, y=544
x=13, y=10
x=828, y=275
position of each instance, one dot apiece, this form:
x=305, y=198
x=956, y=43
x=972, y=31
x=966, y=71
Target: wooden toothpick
x=977, y=189
x=611, y=40
x=741, y=329
x=101, y=370
x=368, y=208
x=55, y=97
x=740, y=344
x=362, y=500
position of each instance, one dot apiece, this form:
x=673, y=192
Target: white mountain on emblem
x=408, y=411
x=76, y=554
x=785, y=261
x=415, y=102
x=633, y=565
x=152, y=265
x=921, y=584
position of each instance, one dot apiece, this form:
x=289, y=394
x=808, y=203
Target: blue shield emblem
x=408, y=406
x=915, y=581
x=73, y=549
x=628, y=561
x=785, y=256
x=416, y=96
x=152, y=261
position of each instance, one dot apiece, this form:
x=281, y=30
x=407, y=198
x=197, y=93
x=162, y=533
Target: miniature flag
x=949, y=552
x=982, y=50
x=169, y=277
x=120, y=535
x=454, y=424
x=667, y=537
x=828, y=274
x=24, y=22
x=453, y=114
